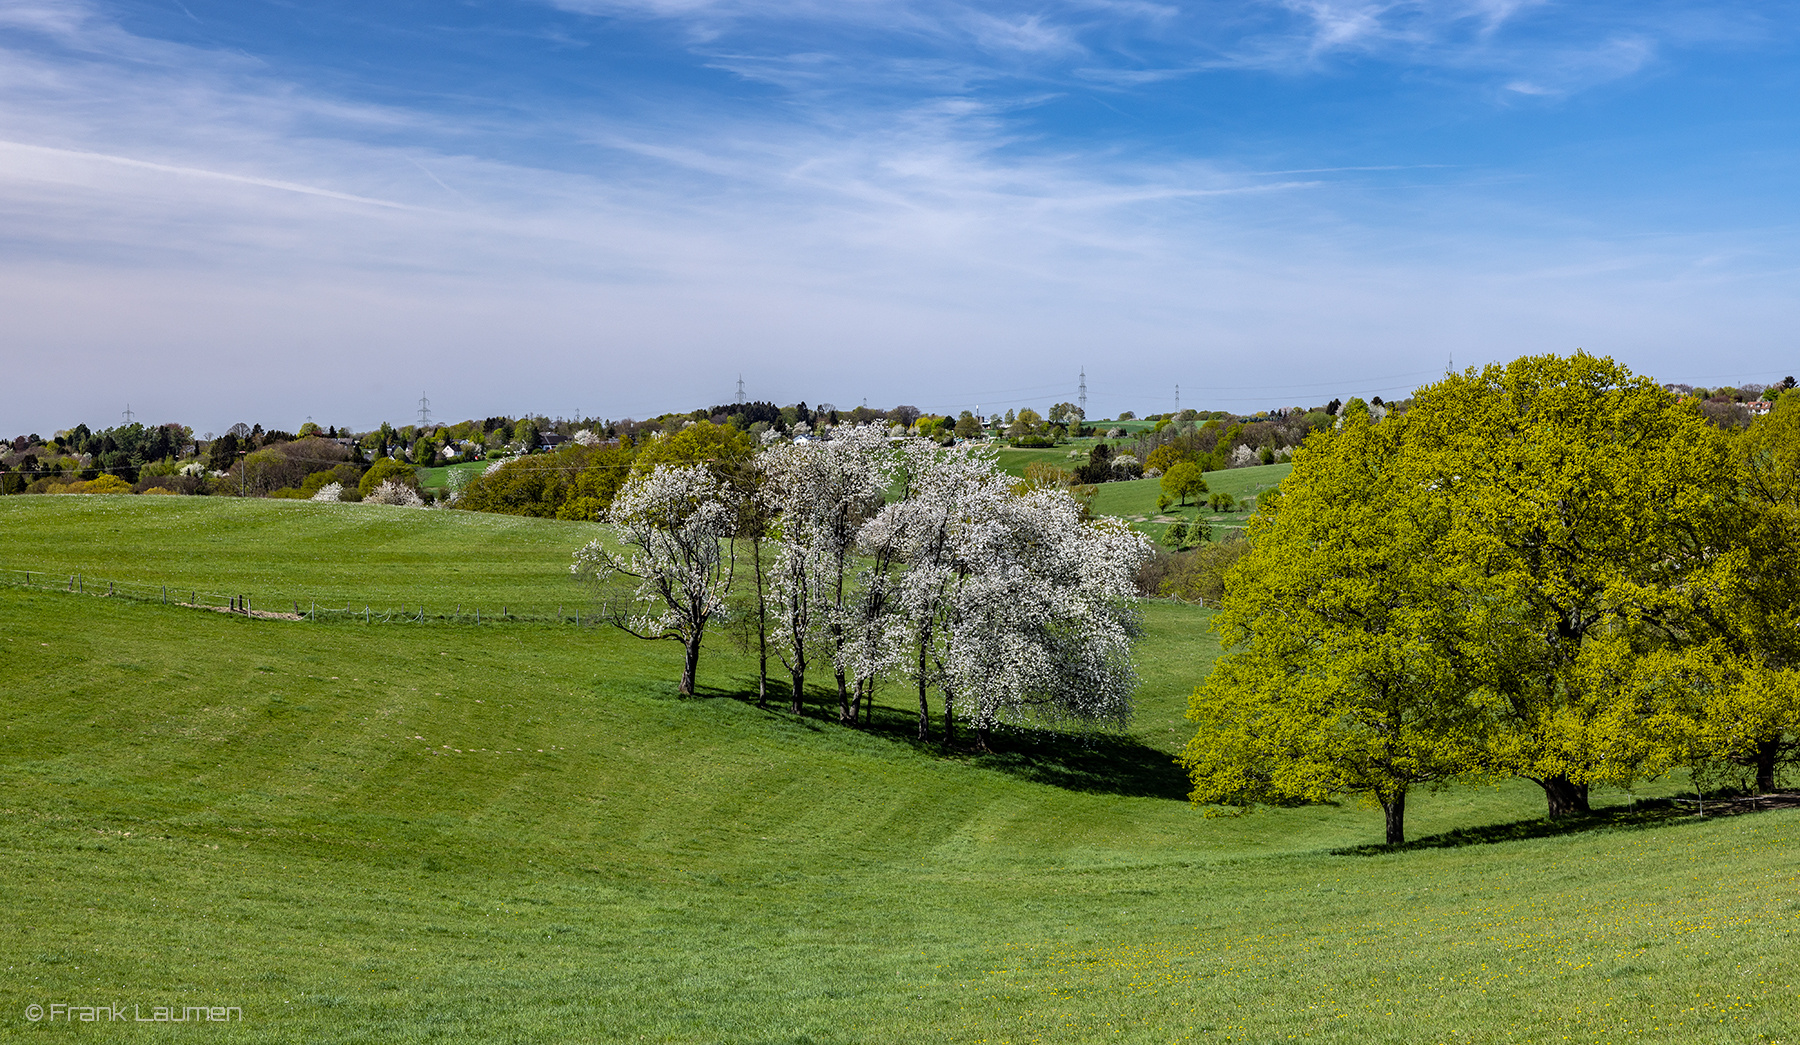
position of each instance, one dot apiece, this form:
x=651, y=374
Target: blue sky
x=240, y=209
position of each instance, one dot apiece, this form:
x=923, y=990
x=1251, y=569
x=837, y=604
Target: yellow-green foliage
x=701, y=442
x=1167, y=456
x=105, y=484
x=1586, y=506
x=1342, y=671
x=1183, y=480
x=385, y=470
x=1535, y=571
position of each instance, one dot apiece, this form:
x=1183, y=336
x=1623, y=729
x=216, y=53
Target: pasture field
x=1136, y=500
x=516, y=832
x=438, y=476
x=280, y=552
x=1013, y=459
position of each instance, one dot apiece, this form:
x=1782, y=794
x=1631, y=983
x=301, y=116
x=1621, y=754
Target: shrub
x=387, y=470
x=161, y=484
x=1166, y=456
x=331, y=493
x=345, y=474
x=1199, y=575
x=395, y=493
x=103, y=484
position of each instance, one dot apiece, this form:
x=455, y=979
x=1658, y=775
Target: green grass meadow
x=437, y=477
x=516, y=832
x=281, y=552
x=1136, y=499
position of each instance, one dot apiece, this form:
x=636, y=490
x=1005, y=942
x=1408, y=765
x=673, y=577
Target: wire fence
x=288, y=608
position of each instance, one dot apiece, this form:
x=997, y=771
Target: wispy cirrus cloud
x=1521, y=42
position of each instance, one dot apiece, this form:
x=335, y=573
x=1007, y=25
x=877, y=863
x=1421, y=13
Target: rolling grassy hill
x=281, y=552
x=516, y=832
x=1136, y=500
x=438, y=476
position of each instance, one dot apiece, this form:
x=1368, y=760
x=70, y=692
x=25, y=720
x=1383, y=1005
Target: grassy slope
x=280, y=552
x=1137, y=499
x=516, y=833
x=438, y=477
x=1013, y=460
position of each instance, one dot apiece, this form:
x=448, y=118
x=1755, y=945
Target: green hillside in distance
x=1136, y=499
x=515, y=832
x=281, y=551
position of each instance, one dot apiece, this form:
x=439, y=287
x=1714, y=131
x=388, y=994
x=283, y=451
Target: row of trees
x=1550, y=569
x=869, y=556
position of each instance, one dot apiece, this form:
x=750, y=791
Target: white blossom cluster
x=899, y=559
x=394, y=493
x=676, y=524
x=330, y=492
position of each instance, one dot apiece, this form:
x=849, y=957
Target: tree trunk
x=1766, y=751
x=1395, y=809
x=924, y=705
x=1564, y=797
x=981, y=735
x=845, y=714
x=762, y=631
x=799, y=677
x=692, y=662
x=949, y=723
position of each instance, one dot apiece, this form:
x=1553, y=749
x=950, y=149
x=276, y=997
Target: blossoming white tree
x=676, y=524
x=945, y=494
x=824, y=490
x=894, y=557
x=1010, y=603
x=1042, y=626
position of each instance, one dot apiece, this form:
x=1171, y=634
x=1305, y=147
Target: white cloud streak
x=22, y=165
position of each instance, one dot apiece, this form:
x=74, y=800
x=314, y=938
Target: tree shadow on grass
x=1641, y=815
x=1091, y=762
